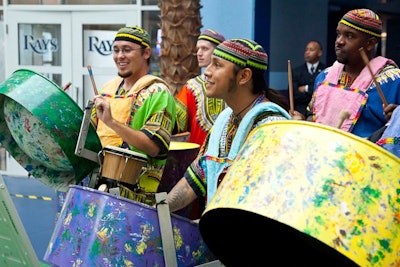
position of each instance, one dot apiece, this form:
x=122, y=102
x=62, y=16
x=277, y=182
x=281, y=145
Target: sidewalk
x=36, y=205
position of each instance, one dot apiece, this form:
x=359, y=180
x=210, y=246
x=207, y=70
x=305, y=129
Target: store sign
x=103, y=47
x=98, y=48
x=40, y=45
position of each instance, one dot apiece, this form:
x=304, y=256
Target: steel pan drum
x=99, y=229
x=304, y=194
x=180, y=155
x=39, y=127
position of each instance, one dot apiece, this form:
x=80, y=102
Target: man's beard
x=125, y=75
x=342, y=60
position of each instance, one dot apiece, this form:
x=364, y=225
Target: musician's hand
x=296, y=115
x=388, y=110
x=103, y=109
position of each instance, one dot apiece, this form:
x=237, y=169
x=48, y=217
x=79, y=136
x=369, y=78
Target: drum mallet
x=92, y=79
x=366, y=62
x=290, y=81
x=65, y=87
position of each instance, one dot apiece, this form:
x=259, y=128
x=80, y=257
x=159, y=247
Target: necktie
x=312, y=69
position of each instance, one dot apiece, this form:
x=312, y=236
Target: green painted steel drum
x=40, y=126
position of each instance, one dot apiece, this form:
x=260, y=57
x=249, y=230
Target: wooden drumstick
x=65, y=87
x=92, y=79
x=366, y=62
x=344, y=114
x=290, y=89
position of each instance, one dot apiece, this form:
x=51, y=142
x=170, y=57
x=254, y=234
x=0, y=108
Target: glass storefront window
x=39, y=44
x=56, y=78
x=97, y=46
x=150, y=2
x=3, y=159
x=72, y=2
x=151, y=22
x=2, y=46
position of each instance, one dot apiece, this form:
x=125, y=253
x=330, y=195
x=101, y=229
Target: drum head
x=125, y=152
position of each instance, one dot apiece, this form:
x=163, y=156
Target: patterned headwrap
x=212, y=36
x=243, y=52
x=364, y=20
x=133, y=34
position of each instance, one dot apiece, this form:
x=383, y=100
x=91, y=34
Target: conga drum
x=100, y=229
x=303, y=194
x=39, y=127
x=122, y=165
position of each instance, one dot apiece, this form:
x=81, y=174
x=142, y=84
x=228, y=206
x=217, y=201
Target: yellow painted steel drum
x=304, y=194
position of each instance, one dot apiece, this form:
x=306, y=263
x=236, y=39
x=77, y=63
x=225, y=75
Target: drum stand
x=164, y=215
x=80, y=149
x=167, y=238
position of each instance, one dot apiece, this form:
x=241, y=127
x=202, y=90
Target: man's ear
x=371, y=43
x=147, y=52
x=244, y=76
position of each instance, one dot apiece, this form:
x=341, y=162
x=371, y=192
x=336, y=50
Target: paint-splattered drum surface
x=39, y=127
x=303, y=194
x=100, y=229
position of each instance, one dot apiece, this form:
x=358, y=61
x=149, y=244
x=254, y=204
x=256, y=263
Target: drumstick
x=65, y=87
x=92, y=79
x=366, y=61
x=344, y=114
x=290, y=88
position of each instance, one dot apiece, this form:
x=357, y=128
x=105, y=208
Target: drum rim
x=323, y=127
x=125, y=152
x=185, y=145
x=120, y=198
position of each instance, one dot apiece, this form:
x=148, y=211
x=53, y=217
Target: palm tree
x=180, y=27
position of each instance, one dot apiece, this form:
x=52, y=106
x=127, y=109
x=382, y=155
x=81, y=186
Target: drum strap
x=390, y=139
x=167, y=236
x=121, y=106
x=214, y=166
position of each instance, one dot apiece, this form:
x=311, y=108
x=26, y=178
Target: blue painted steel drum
x=100, y=229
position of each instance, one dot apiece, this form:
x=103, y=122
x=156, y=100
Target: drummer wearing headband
x=348, y=83
x=196, y=112
x=235, y=75
x=136, y=110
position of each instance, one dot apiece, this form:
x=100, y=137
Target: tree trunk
x=180, y=28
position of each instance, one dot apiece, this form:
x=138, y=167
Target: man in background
x=304, y=76
x=348, y=86
x=196, y=112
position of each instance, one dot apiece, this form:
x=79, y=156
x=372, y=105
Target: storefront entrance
x=61, y=45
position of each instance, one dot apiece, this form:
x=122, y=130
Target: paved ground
x=36, y=204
